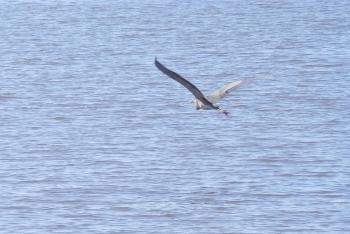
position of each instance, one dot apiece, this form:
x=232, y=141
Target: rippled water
x=94, y=139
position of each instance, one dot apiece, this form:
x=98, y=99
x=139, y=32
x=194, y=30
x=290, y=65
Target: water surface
x=94, y=139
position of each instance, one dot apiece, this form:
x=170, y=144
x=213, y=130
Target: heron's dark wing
x=193, y=89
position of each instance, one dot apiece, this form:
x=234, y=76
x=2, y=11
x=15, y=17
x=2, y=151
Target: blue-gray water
x=94, y=139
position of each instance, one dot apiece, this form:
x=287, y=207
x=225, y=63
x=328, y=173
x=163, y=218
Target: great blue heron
x=201, y=101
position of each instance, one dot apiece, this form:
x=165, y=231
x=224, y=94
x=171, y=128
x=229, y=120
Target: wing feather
x=191, y=87
x=222, y=92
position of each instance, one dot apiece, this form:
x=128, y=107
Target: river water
x=94, y=139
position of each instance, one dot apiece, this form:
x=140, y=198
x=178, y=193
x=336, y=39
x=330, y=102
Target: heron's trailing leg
x=223, y=111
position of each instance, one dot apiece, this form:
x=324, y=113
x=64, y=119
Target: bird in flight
x=201, y=101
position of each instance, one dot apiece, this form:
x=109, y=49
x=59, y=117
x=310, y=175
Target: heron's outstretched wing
x=218, y=94
x=193, y=89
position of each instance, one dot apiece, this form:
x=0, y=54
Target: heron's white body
x=199, y=105
x=218, y=94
